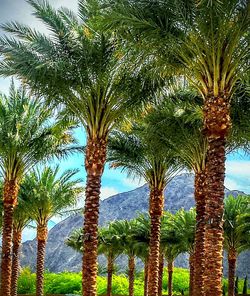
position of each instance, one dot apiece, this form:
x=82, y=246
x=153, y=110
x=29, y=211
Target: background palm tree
x=172, y=245
x=48, y=195
x=213, y=55
x=21, y=218
x=138, y=155
x=236, y=233
x=27, y=136
x=92, y=85
x=109, y=245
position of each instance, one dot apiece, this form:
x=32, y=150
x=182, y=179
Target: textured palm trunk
x=216, y=127
x=17, y=240
x=42, y=234
x=10, y=192
x=191, y=278
x=232, y=257
x=170, y=277
x=156, y=210
x=94, y=164
x=110, y=275
x=199, y=252
x=161, y=267
x=146, y=277
x=131, y=275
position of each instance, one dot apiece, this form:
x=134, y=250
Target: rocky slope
x=178, y=194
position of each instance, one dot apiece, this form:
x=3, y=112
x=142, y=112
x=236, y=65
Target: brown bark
x=131, y=275
x=170, y=277
x=216, y=127
x=109, y=276
x=232, y=257
x=17, y=240
x=42, y=234
x=199, y=253
x=10, y=192
x=94, y=164
x=191, y=279
x=161, y=267
x=146, y=277
x=156, y=210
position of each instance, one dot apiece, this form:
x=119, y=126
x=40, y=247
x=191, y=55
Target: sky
x=114, y=181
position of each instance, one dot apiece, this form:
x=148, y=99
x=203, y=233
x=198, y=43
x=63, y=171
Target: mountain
x=178, y=194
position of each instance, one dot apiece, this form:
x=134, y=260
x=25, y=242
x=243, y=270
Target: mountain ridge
x=178, y=194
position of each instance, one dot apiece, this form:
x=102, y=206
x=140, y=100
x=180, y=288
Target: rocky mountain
x=178, y=194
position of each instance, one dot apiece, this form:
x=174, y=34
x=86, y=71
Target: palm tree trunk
x=42, y=234
x=146, y=277
x=191, y=279
x=161, y=267
x=109, y=277
x=131, y=274
x=170, y=277
x=156, y=210
x=10, y=192
x=199, y=247
x=94, y=164
x=232, y=257
x=17, y=240
x=216, y=127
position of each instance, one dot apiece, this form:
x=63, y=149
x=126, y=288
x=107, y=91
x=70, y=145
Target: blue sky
x=114, y=181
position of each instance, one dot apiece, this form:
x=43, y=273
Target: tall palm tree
x=181, y=112
x=48, y=194
x=207, y=42
x=80, y=67
x=27, y=136
x=236, y=233
x=21, y=218
x=109, y=245
x=139, y=156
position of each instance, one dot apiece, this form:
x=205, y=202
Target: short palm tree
x=138, y=155
x=81, y=68
x=109, y=245
x=48, y=194
x=27, y=137
x=236, y=233
x=141, y=237
x=184, y=223
x=124, y=230
x=208, y=42
x=172, y=245
x=21, y=219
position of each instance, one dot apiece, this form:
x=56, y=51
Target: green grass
x=70, y=283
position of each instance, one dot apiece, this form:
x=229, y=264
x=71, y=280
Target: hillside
x=59, y=257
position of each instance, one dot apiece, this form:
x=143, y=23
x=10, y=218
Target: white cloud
x=232, y=184
x=133, y=182
x=238, y=168
x=107, y=192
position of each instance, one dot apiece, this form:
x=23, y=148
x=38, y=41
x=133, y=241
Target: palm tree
x=138, y=155
x=21, y=218
x=209, y=43
x=125, y=230
x=109, y=245
x=48, y=195
x=141, y=239
x=172, y=245
x=236, y=233
x=79, y=67
x=27, y=136
x=184, y=223
x=185, y=116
